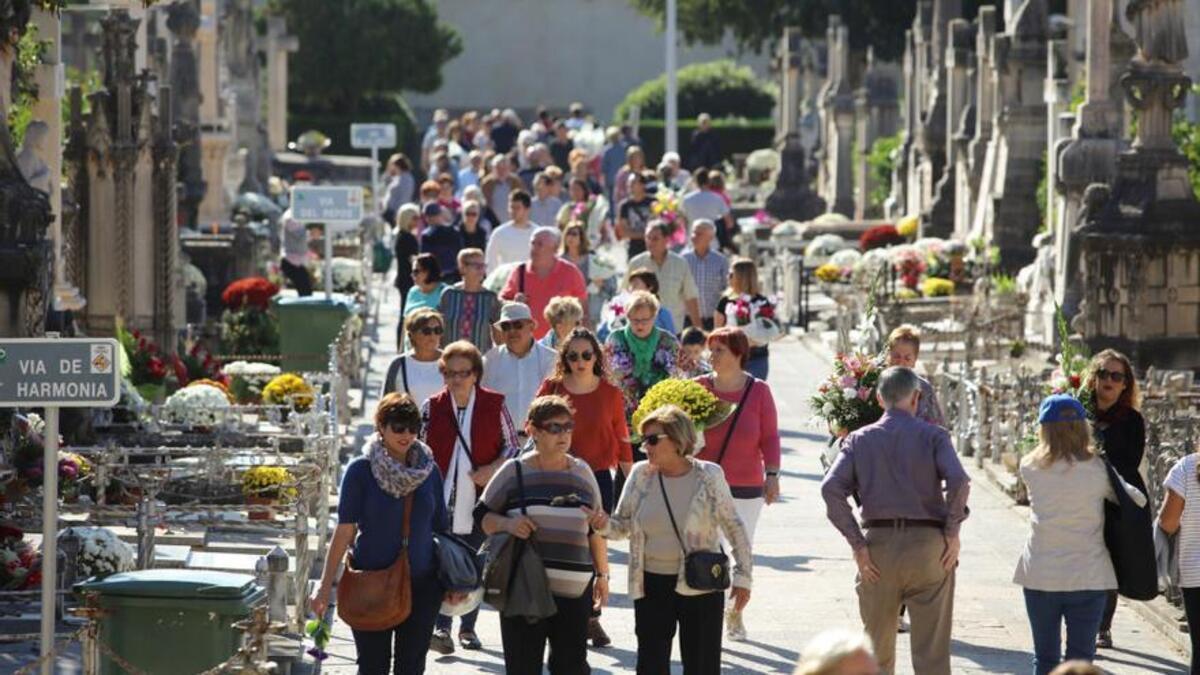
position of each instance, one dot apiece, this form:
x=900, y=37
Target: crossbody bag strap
x=521, y=279
x=404, y=371
x=389, y=381
x=736, y=414
x=408, y=507
x=521, y=487
x=671, y=514
x=458, y=432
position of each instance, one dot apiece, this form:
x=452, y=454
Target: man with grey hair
x=544, y=277
x=710, y=269
x=838, y=652
x=897, y=467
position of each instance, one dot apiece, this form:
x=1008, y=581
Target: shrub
x=879, y=237
x=335, y=123
x=719, y=88
x=881, y=161
x=735, y=136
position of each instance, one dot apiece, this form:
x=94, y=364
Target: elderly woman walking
x=391, y=505
x=746, y=446
x=1066, y=569
x=551, y=498
x=673, y=507
x=903, y=349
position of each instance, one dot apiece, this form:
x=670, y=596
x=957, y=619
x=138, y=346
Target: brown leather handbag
x=373, y=600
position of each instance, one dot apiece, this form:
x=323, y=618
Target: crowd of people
x=524, y=348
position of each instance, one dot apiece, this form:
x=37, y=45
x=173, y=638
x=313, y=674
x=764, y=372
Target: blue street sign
x=63, y=372
x=327, y=204
x=365, y=136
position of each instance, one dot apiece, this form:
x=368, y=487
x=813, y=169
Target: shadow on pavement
x=1165, y=665
x=993, y=659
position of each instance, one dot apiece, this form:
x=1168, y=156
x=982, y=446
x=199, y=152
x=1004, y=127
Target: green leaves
x=719, y=88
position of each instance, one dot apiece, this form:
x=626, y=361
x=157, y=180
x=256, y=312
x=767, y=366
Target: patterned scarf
x=642, y=350
x=396, y=478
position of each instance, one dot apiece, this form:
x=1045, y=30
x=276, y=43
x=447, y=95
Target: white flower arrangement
x=823, y=246
x=36, y=424
x=347, y=275
x=101, y=552
x=197, y=405
x=251, y=370
x=871, y=263
x=846, y=259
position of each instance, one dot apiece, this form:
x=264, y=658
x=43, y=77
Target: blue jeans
x=1082, y=611
x=758, y=366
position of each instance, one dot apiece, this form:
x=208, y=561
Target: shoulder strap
x=670, y=514
x=458, y=432
x=389, y=380
x=521, y=486
x=521, y=279
x=736, y=414
x=404, y=371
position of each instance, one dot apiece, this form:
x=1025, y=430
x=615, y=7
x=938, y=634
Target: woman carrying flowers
x=640, y=355
x=743, y=304
x=903, y=348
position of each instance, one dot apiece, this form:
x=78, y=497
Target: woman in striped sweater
x=541, y=496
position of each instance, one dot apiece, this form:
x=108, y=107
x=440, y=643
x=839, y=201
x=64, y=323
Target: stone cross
x=789, y=78
x=279, y=45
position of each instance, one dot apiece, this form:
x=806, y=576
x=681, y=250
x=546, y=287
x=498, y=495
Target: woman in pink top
x=746, y=446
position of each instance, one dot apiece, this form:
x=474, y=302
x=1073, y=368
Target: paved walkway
x=804, y=574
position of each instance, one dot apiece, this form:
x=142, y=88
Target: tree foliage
x=756, y=24
x=719, y=88
x=353, y=50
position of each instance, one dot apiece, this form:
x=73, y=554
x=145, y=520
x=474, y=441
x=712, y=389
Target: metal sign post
x=338, y=208
x=56, y=373
x=373, y=137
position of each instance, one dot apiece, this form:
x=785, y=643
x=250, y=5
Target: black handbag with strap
x=398, y=367
x=1129, y=536
x=702, y=570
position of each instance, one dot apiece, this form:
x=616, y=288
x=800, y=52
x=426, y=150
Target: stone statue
x=1158, y=27
x=29, y=159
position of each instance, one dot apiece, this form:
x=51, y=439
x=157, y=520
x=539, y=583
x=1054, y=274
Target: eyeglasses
x=557, y=427
x=575, y=357
x=1116, y=376
x=507, y=326
x=405, y=428
x=475, y=265
x=457, y=374
x=641, y=322
x=653, y=439
x=429, y=330
x=470, y=213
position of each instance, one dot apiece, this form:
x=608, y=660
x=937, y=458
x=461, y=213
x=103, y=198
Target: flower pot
x=261, y=508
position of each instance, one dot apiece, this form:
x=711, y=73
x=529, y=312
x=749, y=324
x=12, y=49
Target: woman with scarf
x=1120, y=431
x=371, y=515
x=640, y=355
x=470, y=435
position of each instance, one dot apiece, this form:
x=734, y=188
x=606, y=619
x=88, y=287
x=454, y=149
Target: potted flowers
x=101, y=553
x=247, y=379
x=289, y=389
x=247, y=327
x=264, y=487
x=20, y=564
x=705, y=409
x=147, y=369
x=199, y=406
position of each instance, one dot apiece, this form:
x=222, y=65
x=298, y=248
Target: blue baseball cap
x=1061, y=408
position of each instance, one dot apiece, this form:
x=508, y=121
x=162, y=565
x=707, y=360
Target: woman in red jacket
x=471, y=434
x=601, y=436
x=749, y=454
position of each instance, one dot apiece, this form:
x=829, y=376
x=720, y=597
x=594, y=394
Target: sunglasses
x=405, y=428
x=1116, y=376
x=557, y=428
x=653, y=439
x=457, y=374
x=429, y=330
x=511, y=325
x=575, y=357
x=470, y=213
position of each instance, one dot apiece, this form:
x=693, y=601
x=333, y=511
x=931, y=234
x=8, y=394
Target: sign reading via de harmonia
x=62, y=372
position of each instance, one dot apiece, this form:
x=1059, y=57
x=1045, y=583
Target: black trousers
x=1191, y=606
x=566, y=631
x=401, y=650
x=1110, y=609
x=699, y=617
x=604, y=479
x=298, y=275
x=619, y=485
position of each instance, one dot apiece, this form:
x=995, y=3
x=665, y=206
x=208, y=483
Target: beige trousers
x=910, y=573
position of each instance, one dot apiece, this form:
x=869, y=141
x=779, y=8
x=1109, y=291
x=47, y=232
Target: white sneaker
x=735, y=629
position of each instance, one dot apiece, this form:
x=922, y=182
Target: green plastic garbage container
x=307, y=326
x=172, y=621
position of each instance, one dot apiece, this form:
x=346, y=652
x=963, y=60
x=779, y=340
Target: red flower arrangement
x=879, y=237
x=146, y=366
x=249, y=292
x=196, y=363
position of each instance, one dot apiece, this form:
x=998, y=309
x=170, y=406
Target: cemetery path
x=804, y=573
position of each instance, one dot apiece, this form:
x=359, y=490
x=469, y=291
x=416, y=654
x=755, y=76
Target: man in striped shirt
x=710, y=269
x=468, y=308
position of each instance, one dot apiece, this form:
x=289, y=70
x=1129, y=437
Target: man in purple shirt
x=897, y=467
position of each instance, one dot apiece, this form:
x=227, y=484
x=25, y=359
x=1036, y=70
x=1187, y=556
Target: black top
x=407, y=248
x=444, y=242
x=704, y=151
x=503, y=137
x=477, y=239
x=1122, y=434
x=561, y=152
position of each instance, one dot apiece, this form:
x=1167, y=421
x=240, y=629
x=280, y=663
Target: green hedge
x=719, y=88
x=336, y=125
x=736, y=136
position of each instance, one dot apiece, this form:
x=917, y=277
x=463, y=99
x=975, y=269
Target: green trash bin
x=307, y=326
x=171, y=621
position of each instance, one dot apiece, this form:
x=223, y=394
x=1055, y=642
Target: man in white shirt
x=509, y=243
x=517, y=367
x=708, y=205
x=676, y=287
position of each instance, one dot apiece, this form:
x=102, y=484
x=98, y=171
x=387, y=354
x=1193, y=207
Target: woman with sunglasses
x=427, y=287
x=470, y=225
x=551, y=498
x=670, y=499
x=602, y=436
x=471, y=435
x=415, y=372
x=1121, y=432
x=375, y=488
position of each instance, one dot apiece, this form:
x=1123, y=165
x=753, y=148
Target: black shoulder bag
x=389, y=382
x=1129, y=536
x=703, y=570
x=736, y=414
